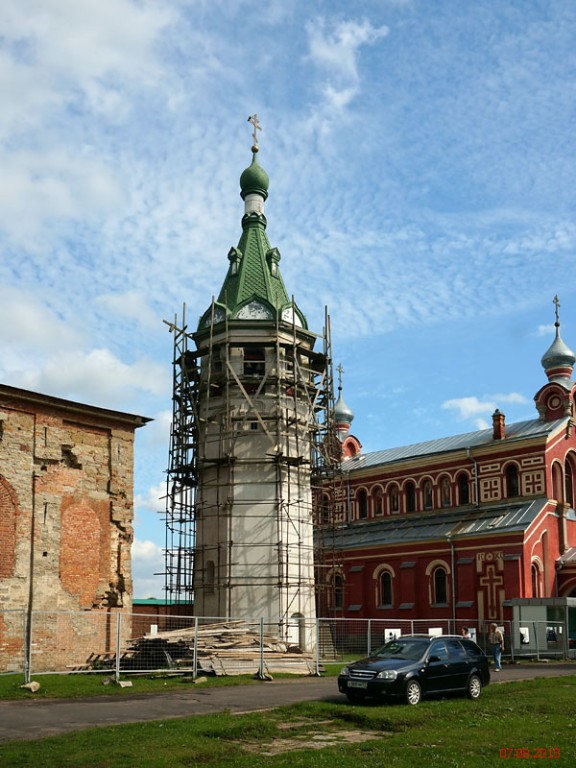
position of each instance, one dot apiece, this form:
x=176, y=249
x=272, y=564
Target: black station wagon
x=414, y=666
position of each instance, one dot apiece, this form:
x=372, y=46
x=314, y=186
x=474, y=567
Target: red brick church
x=455, y=528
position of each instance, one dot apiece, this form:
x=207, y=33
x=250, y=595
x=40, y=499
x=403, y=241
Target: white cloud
x=84, y=40
x=334, y=48
x=513, y=397
x=97, y=376
x=473, y=408
x=27, y=322
x=469, y=407
x=132, y=305
x=545, y=330
x=147, y=551
x=40, y=187
x=153, y=501
x=147, y=569
x=62, y=62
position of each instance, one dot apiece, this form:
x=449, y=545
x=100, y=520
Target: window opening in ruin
x=69, y=459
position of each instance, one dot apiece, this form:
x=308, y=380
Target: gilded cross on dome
x=257, y=127
x=556, y=302
x=340, y=372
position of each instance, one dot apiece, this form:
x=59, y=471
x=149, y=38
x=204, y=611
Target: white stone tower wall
x=254, y=531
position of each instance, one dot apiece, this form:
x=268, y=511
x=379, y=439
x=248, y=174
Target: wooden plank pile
x=227, y=648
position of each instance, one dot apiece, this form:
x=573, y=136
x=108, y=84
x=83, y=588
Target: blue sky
x=422, y=185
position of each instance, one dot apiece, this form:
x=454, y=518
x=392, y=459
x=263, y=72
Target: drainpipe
x=348, y=515
x=452, y=556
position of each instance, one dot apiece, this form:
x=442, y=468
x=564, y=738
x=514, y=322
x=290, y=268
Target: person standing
x=496, y=640
x=465, y=632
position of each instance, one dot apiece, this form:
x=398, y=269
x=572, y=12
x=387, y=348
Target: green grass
x=80, y=686
x=92, y=684
x=449, y=733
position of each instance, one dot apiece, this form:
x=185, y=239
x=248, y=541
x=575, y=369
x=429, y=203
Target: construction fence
x=117, y=643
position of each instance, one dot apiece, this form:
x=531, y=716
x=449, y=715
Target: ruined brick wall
x=66, y=505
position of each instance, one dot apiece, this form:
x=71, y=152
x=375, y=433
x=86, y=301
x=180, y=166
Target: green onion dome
x=254, y=180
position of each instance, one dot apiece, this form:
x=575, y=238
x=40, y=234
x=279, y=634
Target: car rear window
x=456, y=649
x=472, y=648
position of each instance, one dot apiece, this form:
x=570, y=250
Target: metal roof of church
x=516, y=431
x=438, y=524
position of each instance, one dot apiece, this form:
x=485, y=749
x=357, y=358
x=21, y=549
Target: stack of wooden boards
x=224, y=648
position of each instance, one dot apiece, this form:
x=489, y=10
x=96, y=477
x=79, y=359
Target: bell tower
x=250, y=403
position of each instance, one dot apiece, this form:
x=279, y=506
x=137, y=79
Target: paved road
x=34, y=719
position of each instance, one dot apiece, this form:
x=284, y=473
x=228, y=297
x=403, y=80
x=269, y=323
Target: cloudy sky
x=422, y=185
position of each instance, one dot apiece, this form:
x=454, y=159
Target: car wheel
x=413, y=692
x=354, y=697
x=474, y=687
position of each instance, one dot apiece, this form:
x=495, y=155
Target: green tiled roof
x=253, y=278
x=253, y=287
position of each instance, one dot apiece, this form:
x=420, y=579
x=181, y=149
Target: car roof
x=429, y=638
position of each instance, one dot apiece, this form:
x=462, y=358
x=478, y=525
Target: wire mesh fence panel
x=546, y=639
x=220, y=646
x=157, y=643
x=124, y=643
x=339, y=639
x=12, y=641
x=67, y=641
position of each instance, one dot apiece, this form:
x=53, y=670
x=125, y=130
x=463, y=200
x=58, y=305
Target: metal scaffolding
x=282, y=395
x=182, y=473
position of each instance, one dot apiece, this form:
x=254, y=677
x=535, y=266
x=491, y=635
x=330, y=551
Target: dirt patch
x=315, y=741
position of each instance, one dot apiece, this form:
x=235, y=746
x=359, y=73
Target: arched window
x=338, y=590
x=209, y=577
x=439, y=587
x=378, y=501
x=511, y=480
x=535, y=572
x=394, y=499
x=428, y=495
x=410, y=496
x=568, y=483
x=362, y=504
x=557, y=482
x=446, y=492
x=463, y=489
x=386, y=596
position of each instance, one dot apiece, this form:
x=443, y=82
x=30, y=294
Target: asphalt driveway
x=34, y=719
